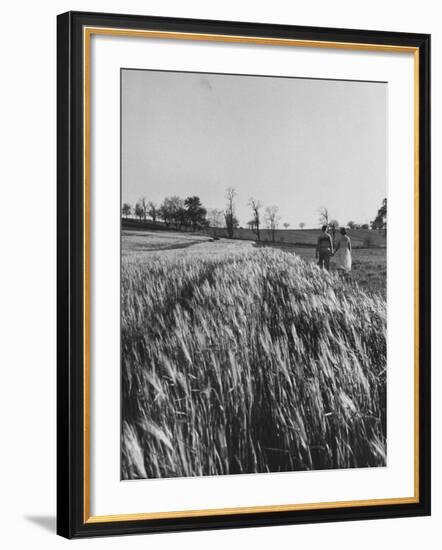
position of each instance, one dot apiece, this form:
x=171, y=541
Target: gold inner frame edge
x=87, y=33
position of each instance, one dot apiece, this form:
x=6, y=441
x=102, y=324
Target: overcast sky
x=296, y=143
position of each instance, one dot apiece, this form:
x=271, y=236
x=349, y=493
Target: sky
x=299, y=144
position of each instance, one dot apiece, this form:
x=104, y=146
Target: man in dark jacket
x=324, y=248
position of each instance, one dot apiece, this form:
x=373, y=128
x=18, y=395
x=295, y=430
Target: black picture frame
x=71, y=518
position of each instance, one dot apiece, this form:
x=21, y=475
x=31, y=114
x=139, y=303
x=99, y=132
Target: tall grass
x=253, y=363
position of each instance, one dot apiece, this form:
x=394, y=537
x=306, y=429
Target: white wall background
x=28, y=278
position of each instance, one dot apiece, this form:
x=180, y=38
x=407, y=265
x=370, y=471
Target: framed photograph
x=243, y=274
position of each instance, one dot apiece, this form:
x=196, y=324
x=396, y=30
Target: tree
x=138, y=211
x=351, y=224
x=144, y=207
x=286, y=225
x=256, y=206
x=127, y=209
x=195, y=212
x=301, y=225
x=177, y=211
x=215, y=219
x=181, y=218
x=229, y=214
x=272, y=219
x=153, y=211
x=380, y=222
x=170, y=211
x=164, y=214
x=323, y=216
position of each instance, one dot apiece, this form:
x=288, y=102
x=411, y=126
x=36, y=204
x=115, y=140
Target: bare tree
x=229, y=214
x=256, y=206
x=301, y=225
x=127, y=209
x=323, y=215
x=272, y=219
x=215, y=218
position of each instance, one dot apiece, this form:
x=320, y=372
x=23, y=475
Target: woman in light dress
x=342, y=253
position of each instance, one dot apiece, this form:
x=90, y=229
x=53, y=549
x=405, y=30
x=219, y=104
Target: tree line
x=173, y=211
x=189, y=213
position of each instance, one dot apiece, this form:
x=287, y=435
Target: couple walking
x=342, y=252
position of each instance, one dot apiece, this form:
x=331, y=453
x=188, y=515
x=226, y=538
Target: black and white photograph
x=253, y=274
